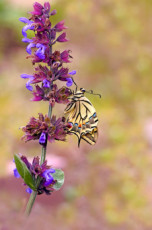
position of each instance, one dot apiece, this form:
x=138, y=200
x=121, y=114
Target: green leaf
x=28, y=179
x=19, y=165
x=59, y=176
x=24, y=172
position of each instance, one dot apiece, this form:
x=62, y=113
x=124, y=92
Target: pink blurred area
x=55, y=161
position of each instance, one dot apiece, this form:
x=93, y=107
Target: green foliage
x=24, y=172
x=59, y=176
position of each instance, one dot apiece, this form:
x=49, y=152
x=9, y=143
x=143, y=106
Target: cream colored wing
x=81, y=115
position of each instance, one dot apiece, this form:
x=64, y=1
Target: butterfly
x=82, y=118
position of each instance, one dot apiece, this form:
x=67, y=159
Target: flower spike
x=49, y=70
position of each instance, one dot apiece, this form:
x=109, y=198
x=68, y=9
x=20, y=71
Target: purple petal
x=43, y=47
x=48, y=182
x=37, y=98
x=25, y=28
x=37, y=8
x=62, y=38
x=28, y=48
x=28, y=86
x=25, y=20
x=47, y=173
x=30, y=77
x=65, y=56
x=51, y=170
x=46, y=83
x=16, y=173
x=41, y=50
x=42, y=139
x=60, y=26
x=69, y=82
x=25, y=76
x=48, y=177
x=27, y=40
x=53, y=12
x=40, y=54
x=29, y=190
x=47, y=7
x=73, y=72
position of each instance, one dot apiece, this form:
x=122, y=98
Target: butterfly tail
x=79, y=139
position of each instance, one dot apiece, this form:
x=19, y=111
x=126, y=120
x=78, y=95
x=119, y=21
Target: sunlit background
x=107, y=186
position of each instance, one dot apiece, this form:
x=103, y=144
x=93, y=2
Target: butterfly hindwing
x=81, y=116
x=91, y=137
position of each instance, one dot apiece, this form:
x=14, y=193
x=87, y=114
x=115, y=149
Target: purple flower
x=29, y=25
x=62, y=38
x=73, y=72
x=69, y=80
x=65, y=56
x=28, y=86
x=47, y=174
x=25, y=20
x=43, y=170
x=53, y=12
x=42, y=139
x=47, y=7
x=25, y=76
x=46, y=83
x=30, y=45
x=63, y=74
x=38, y=93
x=56, y=129
x=60, y=26
x=40, y=51
x=27, y=40
x=37, y=9
x=16, y=173
x=29, y=190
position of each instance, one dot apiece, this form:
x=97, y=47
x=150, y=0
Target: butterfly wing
x=81, y=115
x=91, y=137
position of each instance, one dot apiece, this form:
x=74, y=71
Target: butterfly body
x=82, y=118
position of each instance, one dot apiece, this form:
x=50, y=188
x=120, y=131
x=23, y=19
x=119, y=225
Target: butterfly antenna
x=91, y=92
x=76, y=88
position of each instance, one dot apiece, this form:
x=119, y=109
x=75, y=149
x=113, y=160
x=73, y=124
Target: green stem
x=30, y=203
x=50, y=111
x=43, y=154
x=34, y=193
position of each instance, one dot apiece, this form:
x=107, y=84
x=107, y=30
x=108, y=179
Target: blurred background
x=107, y=186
